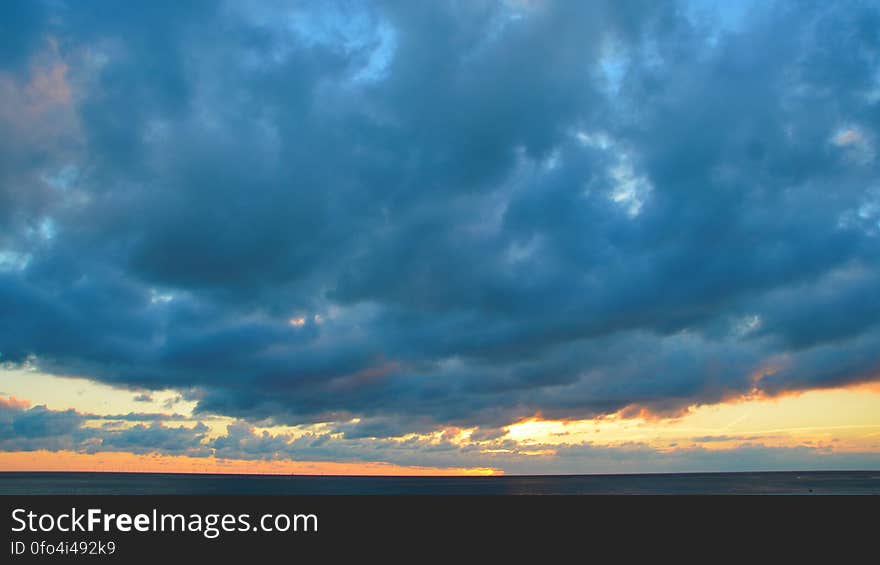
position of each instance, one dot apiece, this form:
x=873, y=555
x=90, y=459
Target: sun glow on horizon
x=67, y=461
x=841, y=419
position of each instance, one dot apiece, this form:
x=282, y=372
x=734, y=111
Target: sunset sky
x=520, y=236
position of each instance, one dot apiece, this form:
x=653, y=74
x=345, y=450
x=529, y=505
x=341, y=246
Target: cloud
x=38, y=428
x=22, y=23
x=474, y=213
x=140, y=417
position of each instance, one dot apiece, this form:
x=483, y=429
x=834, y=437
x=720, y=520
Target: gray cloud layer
x=472, y=212
x=38, y=428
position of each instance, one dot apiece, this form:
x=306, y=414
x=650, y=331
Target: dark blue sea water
x=824, y=482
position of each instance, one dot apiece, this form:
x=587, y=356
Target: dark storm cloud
x=455, y=214
x=19, y=31
x=39, y=428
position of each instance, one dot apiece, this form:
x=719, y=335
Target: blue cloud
x=39, y=428
x=424, y=216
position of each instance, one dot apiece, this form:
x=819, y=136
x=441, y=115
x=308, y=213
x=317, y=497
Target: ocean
x=749, y=483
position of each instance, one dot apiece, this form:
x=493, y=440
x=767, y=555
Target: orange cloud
x=13, y=402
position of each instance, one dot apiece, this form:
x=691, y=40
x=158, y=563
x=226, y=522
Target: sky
x=518, y=236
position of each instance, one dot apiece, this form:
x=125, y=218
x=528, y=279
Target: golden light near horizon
x=121, y=462
x=838, y=420
x=842, y=419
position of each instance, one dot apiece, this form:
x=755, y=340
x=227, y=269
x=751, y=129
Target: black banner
x=286, y=529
